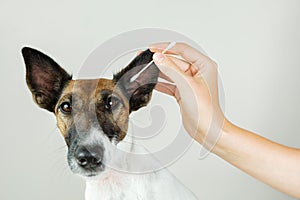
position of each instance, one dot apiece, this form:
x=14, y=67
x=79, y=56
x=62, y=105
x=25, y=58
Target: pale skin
x=193, y=82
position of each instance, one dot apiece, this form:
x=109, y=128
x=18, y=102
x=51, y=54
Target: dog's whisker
x=59, y=165
x=63, y=147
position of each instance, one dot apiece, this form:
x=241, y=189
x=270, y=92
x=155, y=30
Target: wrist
x=213, y=137
x=225, y=132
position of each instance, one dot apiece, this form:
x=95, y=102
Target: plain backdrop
x=256, y=44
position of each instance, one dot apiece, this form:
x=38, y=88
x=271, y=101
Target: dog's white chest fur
x=155, y=185
x=152, y=186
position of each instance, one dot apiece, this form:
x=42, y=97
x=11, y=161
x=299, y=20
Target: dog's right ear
x=44, y=77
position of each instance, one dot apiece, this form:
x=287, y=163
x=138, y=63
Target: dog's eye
x=111, y=103
x=66, y=107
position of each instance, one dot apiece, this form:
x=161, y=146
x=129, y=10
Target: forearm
x=195, y=78
x=272, y=163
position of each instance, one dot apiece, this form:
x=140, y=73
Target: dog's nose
x=89, y=157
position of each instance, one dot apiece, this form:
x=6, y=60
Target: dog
x=92, y=115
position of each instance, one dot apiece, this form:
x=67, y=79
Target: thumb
x=168, y=67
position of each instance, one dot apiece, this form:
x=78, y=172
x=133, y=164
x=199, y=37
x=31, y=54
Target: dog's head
x=92, y=115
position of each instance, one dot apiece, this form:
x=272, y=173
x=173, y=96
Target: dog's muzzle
x=87, y=151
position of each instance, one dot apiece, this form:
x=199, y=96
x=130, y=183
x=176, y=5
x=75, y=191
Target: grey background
x=256, y=44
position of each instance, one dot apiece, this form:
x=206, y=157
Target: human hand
x=195, y=87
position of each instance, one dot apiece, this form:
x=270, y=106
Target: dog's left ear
x=44, y=77
x=138, y=80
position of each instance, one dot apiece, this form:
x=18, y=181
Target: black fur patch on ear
x=138, y=90
x=44, y=77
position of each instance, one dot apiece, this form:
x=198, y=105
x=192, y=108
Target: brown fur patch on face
x=114, y=121
x=89, y=100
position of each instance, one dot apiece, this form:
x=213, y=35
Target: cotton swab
x=172, y=44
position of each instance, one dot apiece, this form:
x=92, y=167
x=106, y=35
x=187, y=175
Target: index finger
x=187, y=52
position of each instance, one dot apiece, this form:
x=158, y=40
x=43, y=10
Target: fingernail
x=158, y=57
